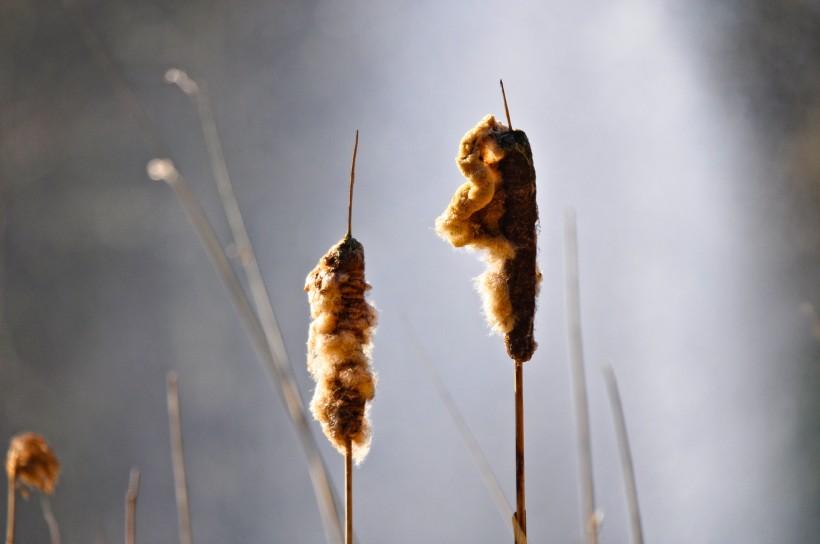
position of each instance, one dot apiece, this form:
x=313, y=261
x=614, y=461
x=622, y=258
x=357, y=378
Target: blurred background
x=685, y=135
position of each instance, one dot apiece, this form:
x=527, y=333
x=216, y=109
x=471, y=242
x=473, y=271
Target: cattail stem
x=11, y=509
x=348, y=492
x=520, y=479
x=131, y=506
x=180, y=483
x=352, y=181
x=627, y=466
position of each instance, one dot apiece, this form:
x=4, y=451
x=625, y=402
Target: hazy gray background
x=687, y=139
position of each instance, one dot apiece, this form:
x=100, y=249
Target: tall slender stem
x=576, y=348
x=265, y=336
x=131, y=506
x=348, y=492
x=627, y=466
x=11, y=509
x=180, y=483
x=278, y=362
x=521, y=511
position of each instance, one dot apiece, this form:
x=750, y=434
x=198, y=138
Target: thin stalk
x=131, y=506
x=573, y=305
x=50, y=519
x=348, y=492
x=467, y=436
x=506, y=109
x=520, y=479
x=627, y=466
x=272, y=361
x=280, y=366
x=352, y=181
x=180, y=481
x=12, y=504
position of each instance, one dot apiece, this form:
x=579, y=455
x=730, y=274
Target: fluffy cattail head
x=339, y=346
x=32, y=463
x=495, y=211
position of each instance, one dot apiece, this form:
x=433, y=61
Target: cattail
x=32, y=463
x=340, y=342
x=495, y=211
x=339, y=346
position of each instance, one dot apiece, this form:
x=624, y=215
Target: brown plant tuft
x=31, y=462
x=495, y=211
x=339, y=346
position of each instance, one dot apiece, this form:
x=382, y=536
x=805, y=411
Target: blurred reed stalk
x=50, y=519
x=178, y=458
x=589, y=516
x=282, y=368
x=627, y=466
x=131, y=506
x=275, y=359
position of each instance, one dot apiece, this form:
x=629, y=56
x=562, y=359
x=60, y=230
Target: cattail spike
x=506, y=109
x=352, y=180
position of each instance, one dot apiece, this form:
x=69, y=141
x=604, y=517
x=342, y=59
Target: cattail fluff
x=495, y=211
x=30, y=462
x=339, y=346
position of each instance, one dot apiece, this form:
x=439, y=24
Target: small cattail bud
x=495, y=211
x=32, y=463
x=339, y=346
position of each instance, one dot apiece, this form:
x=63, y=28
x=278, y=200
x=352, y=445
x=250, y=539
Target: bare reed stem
x=520, y=479
x=627, y=466
x=50, y=519
x=573, y=305
x=10, y=512
x=180, y=482
x=278, y=363
x=349, y=492
x=131, y=506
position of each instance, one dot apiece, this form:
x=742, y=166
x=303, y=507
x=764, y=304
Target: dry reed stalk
x=273, y=357
x=495, y=211
x=180, y=480
x=627, y=466
x=30, y=464
x=131, y=496
x=590, y=518
x=274, y=365
x=339, y=348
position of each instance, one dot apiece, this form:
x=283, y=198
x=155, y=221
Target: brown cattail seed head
x=495, y=211
x=31, y=462
x=339, y=346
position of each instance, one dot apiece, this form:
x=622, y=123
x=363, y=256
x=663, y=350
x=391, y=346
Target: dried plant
x=340, y=343
x=339, y=346
x=30, y=464
x=480, y=217
x=495, y=211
